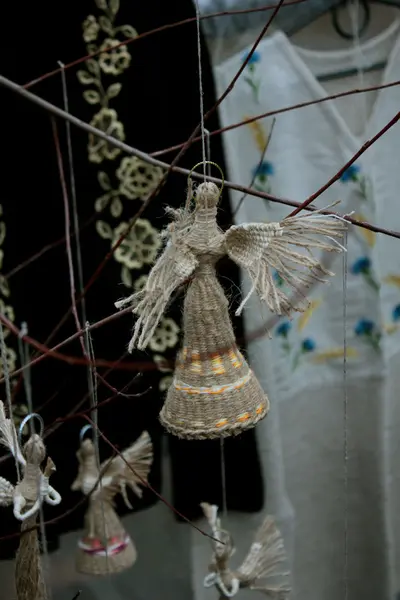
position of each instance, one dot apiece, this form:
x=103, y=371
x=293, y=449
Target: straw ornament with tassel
x=106, y=547
x=214, y=393
x=264, y=568
x=26, y=498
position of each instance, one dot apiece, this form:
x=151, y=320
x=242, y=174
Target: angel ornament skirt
x=214, y=392
x=105, y=547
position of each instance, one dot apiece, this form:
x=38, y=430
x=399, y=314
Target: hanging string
x=354, y=14
x=6, y=376
x=24, y=356
x=345, y=423
x=94, y=417
x=203, y=136
x=73, y=195
x=208, y=151
x=223, y=478
x=88, y=345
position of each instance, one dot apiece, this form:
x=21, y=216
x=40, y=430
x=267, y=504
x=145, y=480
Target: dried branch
x=280, y=111
x=149, y=159
x=146, y=34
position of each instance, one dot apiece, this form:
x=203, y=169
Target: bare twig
x=146, y=34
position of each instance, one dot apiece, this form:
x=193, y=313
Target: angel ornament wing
x=214, y=392
x=27, y=497
x=263, y=570
x=106, y=547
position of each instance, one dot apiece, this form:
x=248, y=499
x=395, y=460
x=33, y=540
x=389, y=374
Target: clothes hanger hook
x=363, y=26
x=26, y=420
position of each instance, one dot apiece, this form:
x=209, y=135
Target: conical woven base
x=211, y=415
x=93, y=564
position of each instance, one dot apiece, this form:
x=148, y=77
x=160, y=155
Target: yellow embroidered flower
x=90, y=28
x=20, y=411
x=11, y=360
x=4, y=287
x=138, y=178
x=140, y=246
x=306, y=315
x=114, y=60
x=392, y=280
x=106, y=120
x=390, y=328
x=259, y=135
x=369, y=236
x=140, y=283
x=8, y=312
x=165, y=336
x=165, y=383
x=162, y=363
x=333, y=353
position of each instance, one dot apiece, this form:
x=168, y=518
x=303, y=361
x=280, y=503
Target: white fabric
x=301, y=441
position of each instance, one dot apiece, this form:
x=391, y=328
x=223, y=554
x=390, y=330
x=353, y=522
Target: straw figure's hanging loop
x=27, y=498
x=214, y=393
x=106, y=547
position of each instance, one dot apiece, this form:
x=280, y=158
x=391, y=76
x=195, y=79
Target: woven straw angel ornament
x=106, y=547
x=27, y=498
x=214, y=393
x=264, y=568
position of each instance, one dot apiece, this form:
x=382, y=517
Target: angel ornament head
x=214, y=392
x=26, y=498
x=264, y=568
x=106, y=547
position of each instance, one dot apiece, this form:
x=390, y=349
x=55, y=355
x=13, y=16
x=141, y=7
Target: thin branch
x=146, y=34
x=228, y=184
x=256, y=170
x=279, y=111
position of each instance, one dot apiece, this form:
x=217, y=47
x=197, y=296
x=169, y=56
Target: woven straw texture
x=214, y=393
x=104, y=523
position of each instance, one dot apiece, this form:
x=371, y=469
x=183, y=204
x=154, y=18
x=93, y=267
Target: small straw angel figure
x=214, y=393
x=106, y=547
x=26, y=498
x=263, y=568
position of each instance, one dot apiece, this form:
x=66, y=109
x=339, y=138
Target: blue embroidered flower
x=362, y=265
x=278, y=279
x=263, y=170
x=364, y=327
x=283, y=329
x=254, y=58
x=308, y=345
x=250, y=77
x=350, y=174
x=396, y=313
x=367, y=330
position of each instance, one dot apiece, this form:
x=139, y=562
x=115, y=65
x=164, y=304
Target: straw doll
x=106, y=547
x=263, y=568
x=214, y=393
x=27, y=498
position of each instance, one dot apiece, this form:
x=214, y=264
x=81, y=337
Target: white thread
x=345, y=423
